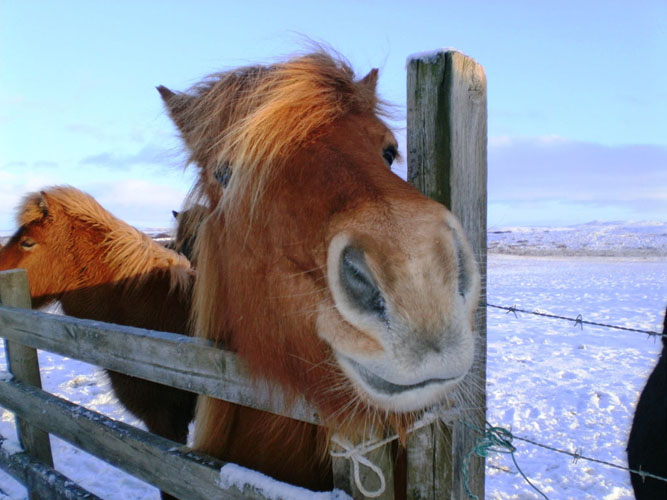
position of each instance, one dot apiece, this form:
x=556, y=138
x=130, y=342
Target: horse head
x=323, y=269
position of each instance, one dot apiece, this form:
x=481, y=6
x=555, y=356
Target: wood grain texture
x=168, y=358
x=447, y=161
x=428, y=475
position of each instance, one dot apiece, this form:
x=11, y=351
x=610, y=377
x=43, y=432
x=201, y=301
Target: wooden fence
x=446, y=160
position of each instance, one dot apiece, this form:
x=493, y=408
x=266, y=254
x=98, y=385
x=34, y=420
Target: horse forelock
x=253, y=119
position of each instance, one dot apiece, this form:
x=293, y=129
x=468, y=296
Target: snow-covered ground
x=563, y=386
x=547, y=380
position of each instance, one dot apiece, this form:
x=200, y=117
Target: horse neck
x=154, y=297
x=290, y=451
x=149, y=301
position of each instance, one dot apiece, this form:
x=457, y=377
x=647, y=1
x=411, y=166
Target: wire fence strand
x=578, y=456
x=577, y=321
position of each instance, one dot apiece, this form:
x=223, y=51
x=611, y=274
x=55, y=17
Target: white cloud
x=557, y=169
x=141, y=203
x=13, y=187
x=511, y=141
x=140, y=196
x=567, y=212
x=540, y=180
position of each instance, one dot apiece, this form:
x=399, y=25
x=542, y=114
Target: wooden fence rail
x=42, y=481
x=168, y=358
x=446, y=160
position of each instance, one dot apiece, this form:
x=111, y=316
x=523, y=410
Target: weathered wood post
x=23, y=365
x=447, y=140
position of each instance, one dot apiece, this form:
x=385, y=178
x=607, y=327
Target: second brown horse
x=101, y=268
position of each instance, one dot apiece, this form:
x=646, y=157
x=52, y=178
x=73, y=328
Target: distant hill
x=632, y=239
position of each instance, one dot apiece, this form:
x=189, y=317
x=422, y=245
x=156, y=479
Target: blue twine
x=494, y=439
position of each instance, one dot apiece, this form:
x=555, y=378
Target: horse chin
x=396, y=395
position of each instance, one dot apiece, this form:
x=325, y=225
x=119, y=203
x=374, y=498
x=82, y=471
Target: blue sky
x=577, y=93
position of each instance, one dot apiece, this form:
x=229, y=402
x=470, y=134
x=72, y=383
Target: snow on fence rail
x=447, y=138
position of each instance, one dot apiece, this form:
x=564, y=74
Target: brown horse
x=323, y=270
x=100, y=268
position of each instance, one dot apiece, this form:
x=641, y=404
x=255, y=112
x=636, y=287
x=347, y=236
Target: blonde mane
x=250, y=120
x=128, y=252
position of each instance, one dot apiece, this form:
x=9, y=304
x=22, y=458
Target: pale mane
x=252, y=119
x=127, y=251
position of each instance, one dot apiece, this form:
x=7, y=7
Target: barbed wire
x=577, y=321
x=576, y=455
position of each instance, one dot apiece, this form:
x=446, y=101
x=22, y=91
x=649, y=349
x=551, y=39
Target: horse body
x=100, y=268
x=322, y=269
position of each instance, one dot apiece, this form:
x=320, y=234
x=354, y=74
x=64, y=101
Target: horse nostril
x=358, y=283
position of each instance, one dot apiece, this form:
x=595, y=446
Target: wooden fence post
x=447, y=140
x=23, y=365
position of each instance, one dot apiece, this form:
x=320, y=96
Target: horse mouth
x=388, y=388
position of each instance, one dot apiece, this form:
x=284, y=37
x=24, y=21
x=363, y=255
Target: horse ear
x=370, y=80
x=175, y=214
x=33, y=208
x=165, y=93
x=42, y=204
x=177, y=104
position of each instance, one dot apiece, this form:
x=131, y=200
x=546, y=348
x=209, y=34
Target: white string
x=357, y=453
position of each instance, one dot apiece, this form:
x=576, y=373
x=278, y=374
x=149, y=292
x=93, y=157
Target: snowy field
x=548, y=380
x=562, y=386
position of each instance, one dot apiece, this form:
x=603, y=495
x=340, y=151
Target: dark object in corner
x=647, y=445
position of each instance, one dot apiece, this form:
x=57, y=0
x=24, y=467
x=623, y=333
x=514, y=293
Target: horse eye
x=27, y=244
x=389, y=154
x=222, y=175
